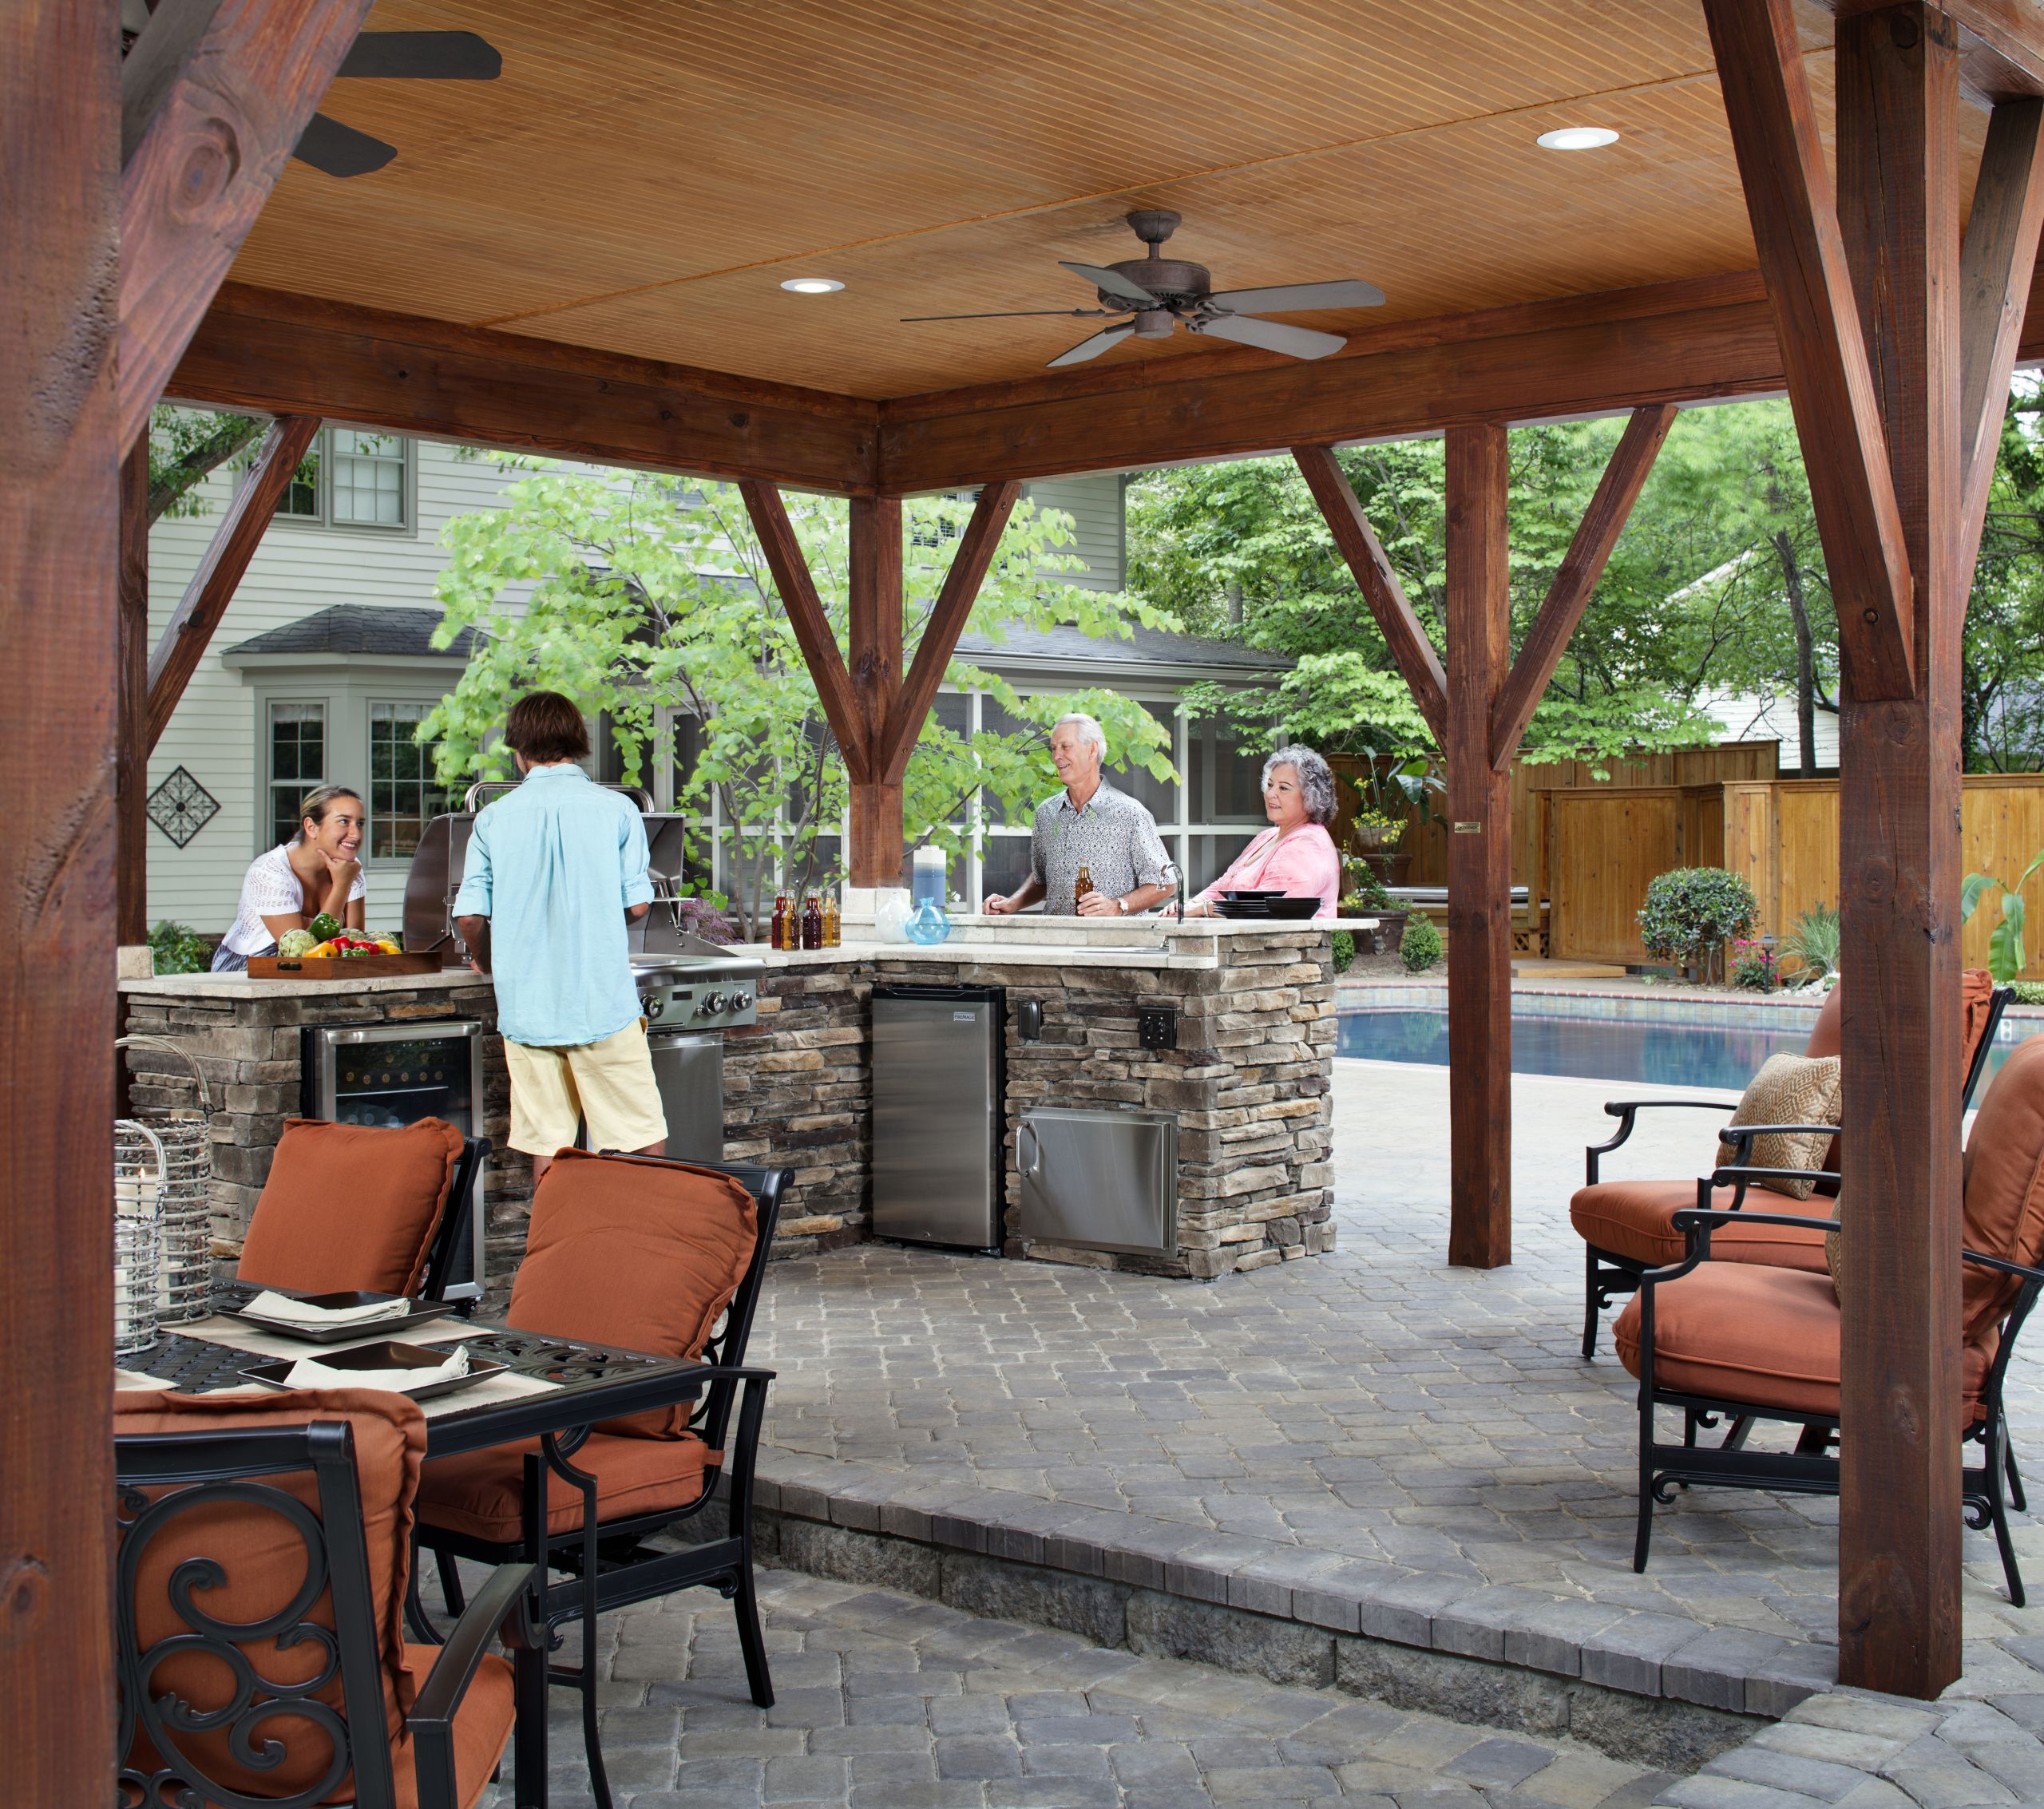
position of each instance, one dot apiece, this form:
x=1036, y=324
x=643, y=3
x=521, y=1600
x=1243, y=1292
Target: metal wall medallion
x=180, y=806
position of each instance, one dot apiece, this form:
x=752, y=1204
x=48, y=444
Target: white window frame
x=322, y=518
x=266, y=823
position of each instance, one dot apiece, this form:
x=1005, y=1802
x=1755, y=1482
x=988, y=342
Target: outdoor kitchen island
x=1252, y=1010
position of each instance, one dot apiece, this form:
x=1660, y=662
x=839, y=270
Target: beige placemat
x=238, y=1335
x=491, y=1392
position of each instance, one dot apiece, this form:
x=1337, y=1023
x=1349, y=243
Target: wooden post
x=60, y=533
x=1479, y=625
x=1899, y=1531
x=875, y=664
x=131, y=760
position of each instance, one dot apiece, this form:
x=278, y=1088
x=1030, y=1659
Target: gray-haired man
x=1090, y=825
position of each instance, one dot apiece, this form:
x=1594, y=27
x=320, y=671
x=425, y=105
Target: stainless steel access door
x=688, y=1068
x=936, y=1117
x=1102, y=1178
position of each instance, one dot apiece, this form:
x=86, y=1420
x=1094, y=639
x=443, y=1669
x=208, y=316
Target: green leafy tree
x=186, y=446
x=633, y=591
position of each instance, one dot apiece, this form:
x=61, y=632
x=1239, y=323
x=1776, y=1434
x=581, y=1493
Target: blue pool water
x=1719, y=1059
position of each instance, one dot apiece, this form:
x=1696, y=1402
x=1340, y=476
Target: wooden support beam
x=131, y=759
x=1479, y=611
x=60, y=507
x=1403, y=633
x=190, y=629
x=214, y=95
x=1899, y=1521
x=1831, y=386
x=2000, y=45
x=1589, y=552
x=874, y=610
x=948, y=616
x=1996, y=263
x=265, y=352
x=842, y=708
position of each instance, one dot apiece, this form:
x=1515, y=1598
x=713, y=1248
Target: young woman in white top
x=317, y=870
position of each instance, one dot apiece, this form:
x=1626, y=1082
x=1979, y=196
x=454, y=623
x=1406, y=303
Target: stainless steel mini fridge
x=937, y=1114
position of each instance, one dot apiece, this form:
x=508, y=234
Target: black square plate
x=371, y=1359
x=418, y=1311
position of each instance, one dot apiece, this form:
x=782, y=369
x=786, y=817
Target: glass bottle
x=779, y=937
x=1082, y=885
x=812, y=923
x=834, y=926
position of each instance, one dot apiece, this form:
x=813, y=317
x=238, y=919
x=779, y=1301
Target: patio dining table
x=555, y=1386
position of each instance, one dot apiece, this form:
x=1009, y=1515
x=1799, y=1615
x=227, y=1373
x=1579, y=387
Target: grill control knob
x=716, y=1002
x=654, y=1008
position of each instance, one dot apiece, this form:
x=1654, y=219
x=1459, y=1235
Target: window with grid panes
x=365, y=478
x=298, y=763
x=403, y=794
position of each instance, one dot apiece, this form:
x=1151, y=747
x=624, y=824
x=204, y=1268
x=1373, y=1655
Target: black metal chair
x=212, y=1500
x=451, y=1263
x=609, y=1562
x=1609, y=1273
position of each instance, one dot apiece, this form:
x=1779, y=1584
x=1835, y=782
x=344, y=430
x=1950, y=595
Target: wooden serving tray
x=340, y=967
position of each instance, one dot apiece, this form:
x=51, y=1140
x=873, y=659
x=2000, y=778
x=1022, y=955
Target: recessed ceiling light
x=1578, y=138
x=812, y=285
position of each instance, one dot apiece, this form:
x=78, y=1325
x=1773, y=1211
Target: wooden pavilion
x=584, y=257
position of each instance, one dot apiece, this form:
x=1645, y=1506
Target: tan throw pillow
x=1789, y=1090
x=1834, y=1253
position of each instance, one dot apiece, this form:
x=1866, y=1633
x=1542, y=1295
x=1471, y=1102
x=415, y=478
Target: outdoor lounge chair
x=354, y=1206
x=259, y=1645
x=1627, y=1227
x=1738, y=1341
x=651, y=1255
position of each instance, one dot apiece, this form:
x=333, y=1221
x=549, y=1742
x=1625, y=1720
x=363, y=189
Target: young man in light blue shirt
x=555, y=871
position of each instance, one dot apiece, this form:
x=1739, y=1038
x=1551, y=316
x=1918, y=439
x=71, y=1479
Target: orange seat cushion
x=482, y=1724
x=2004, y=1198
x=481, y=1494
x=1634, y=1219
x=1744, y=1333
x=351, y=1206
x=263, y=1558
x=635, y=1252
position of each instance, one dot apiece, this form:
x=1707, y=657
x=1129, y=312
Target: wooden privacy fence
x=1602, y=847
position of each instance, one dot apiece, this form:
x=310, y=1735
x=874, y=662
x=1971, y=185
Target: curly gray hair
x=1316, y=779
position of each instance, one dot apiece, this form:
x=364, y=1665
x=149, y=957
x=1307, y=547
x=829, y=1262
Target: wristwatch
x=1121, y=907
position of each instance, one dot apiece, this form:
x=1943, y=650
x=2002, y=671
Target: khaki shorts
x=608, y=1086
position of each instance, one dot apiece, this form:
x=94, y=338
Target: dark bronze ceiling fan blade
x=1271, y=335
x=335, y=149
x=422, y=56
x=1291, y=297
x=1111, y=282
x=1016, y=313
x=1093, y=348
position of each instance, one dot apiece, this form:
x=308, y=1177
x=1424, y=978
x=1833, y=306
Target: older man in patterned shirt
x=1090, y=825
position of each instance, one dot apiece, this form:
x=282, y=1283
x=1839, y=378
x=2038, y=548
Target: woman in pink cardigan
x=1295, y=854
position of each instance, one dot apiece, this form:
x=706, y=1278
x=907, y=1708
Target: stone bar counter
x=1248, y=1081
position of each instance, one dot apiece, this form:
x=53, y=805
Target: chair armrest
x=1735, y=1174
x=2004, y=1265
x=1625, y=1111
x=1690, y=1219
x=504, y=1602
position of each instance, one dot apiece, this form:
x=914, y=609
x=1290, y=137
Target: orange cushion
x=264, y=1559
x=1744, y=1333
x=2004, y=1200
x=1828, y=1034
x=351, y=1205
x=482, y=1492
x=1634, y=1218
x=482, y=1724
x=633, y=1251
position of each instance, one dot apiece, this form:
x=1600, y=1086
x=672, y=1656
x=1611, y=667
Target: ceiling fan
x=336, y=149
x=1159, y=293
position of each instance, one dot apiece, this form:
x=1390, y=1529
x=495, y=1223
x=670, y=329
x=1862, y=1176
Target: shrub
x=1366, y=894
x=1813, y=940
x=2030, y=991
x=1420, y=947
x=180, y=950
x=1753, y=969
x=1344, y=950
x=1692, y=910
x=2004, y=956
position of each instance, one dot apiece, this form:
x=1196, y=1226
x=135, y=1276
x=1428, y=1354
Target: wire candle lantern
x=184, y=1254
x=139, y=1161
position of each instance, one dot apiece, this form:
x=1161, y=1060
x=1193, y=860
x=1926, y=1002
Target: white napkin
x=271, y=1305
x=310, y=1372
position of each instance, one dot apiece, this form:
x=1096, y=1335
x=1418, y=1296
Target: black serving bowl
x=1290, y=908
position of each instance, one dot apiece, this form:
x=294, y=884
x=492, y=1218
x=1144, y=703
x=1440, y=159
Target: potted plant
x=1691, y=912
x=1393, y=790
x=1365, y=895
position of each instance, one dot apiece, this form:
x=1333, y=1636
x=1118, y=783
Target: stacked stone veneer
x=1250, y=1082
x=248, y=1052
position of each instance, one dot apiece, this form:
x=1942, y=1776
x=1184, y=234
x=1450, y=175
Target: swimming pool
x=1719, y=1058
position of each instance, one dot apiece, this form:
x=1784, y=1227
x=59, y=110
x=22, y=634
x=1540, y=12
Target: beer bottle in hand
x=1082, y=885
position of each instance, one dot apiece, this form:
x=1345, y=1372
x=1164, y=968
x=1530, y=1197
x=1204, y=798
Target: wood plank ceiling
x=646, y=171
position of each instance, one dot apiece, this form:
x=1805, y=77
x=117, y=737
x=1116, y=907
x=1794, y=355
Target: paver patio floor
x=1372, y=1405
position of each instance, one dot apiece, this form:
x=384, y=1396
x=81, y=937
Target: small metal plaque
x=1468, y=828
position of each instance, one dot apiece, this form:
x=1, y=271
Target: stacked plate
x=1265, y=903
